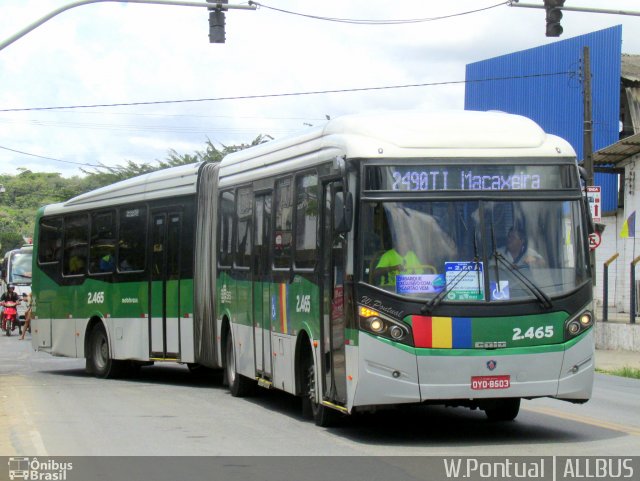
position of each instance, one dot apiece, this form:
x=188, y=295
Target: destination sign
x=474, y=178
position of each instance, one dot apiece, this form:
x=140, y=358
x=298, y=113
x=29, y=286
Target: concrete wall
x=618, y=336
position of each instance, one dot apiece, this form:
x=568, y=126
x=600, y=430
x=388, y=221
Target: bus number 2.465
x=531, y=333
x=95, y=297
x=303, y=303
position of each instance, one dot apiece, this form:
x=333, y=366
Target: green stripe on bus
x=511, y=351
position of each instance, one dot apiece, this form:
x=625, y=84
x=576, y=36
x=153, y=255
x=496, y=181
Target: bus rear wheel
x=239, y=385
x=99, y=361
x=503, y=409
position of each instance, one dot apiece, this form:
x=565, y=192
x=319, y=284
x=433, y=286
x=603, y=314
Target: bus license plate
x=490, y=382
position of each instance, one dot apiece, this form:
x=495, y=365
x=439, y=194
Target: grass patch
x=631, y=372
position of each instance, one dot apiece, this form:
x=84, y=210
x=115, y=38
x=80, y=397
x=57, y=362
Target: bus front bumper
x=389, y=374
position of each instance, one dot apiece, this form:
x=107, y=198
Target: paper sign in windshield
x=465, y=281
x=419, y=283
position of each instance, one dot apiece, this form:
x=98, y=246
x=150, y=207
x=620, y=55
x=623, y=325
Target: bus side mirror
x=583, y=173
x=342, y=212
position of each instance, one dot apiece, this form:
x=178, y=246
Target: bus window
x=50, y=240
x=76, y=233
x=283, y=217
x=225, y=242
x=306, y=220
x=244, y=211
x=173, y=247
x=132, y=239
x=103, y=247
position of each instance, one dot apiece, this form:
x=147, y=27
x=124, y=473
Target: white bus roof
x=397, y=134
x=173, y=182
x=390, y=134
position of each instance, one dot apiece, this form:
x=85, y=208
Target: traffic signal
x=217, y=23
x=554, y=15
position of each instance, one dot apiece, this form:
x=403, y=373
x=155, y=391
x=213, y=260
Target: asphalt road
x=50, y=407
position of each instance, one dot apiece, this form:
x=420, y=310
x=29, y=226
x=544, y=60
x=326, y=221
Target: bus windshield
x=20, y=271
x=474, y=250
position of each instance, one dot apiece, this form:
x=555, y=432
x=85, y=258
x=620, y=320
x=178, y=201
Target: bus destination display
x=477, y=178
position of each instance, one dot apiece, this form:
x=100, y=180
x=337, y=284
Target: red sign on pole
x=595, y=203
x=594, y=240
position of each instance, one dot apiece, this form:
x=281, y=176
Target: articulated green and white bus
x=378, y=260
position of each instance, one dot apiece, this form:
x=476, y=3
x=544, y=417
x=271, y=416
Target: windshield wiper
x=428, y=307
x=542, y=296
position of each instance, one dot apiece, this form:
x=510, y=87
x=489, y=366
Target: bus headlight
x=578, y=324
x=371, y=321
x=376, y=324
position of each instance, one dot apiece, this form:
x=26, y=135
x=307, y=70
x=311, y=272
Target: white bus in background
x=16, y=270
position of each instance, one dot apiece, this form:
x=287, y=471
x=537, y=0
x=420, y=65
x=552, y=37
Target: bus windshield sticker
x=469, y=287
x=420, y=283
x=500, y=291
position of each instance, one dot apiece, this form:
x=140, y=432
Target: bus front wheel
x=322, y=415
x=503, y=409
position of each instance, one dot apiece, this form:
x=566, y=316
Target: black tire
x=323, y=416
x=503, y=409
x=239, y=385
x=99, y=362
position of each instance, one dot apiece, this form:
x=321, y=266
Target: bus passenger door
x=332, y=335
x=164, y=323
x=262, y=309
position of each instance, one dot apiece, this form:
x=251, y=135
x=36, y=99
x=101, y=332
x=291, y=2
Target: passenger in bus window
x=76, y=263
x=518, y=252
x=106, y=263
x=125, y=266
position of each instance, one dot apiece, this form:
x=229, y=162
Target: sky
x=118, y=53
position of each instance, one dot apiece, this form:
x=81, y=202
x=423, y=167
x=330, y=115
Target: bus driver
x=398, y=259
x=518, y=252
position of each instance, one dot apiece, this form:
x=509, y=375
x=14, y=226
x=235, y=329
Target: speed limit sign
x=594, y=240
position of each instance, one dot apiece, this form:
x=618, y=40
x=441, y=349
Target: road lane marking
x=22, y=436
x=634, y=431
x=37, y=442
x=34, y=434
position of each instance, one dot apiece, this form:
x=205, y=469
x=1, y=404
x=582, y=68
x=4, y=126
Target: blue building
x=545, y=84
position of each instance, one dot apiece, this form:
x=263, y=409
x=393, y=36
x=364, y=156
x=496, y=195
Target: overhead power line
x=356, y=21
x=48, y=158
x=289, y=94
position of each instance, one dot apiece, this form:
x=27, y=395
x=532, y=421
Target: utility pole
x=587, y=142
x=587, y=146
x=216, y=6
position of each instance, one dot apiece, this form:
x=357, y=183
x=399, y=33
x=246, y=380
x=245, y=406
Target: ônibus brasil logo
x=36, y=470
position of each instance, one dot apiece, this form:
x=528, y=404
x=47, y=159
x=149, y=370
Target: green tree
x=105, y=175
x=27, y=191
